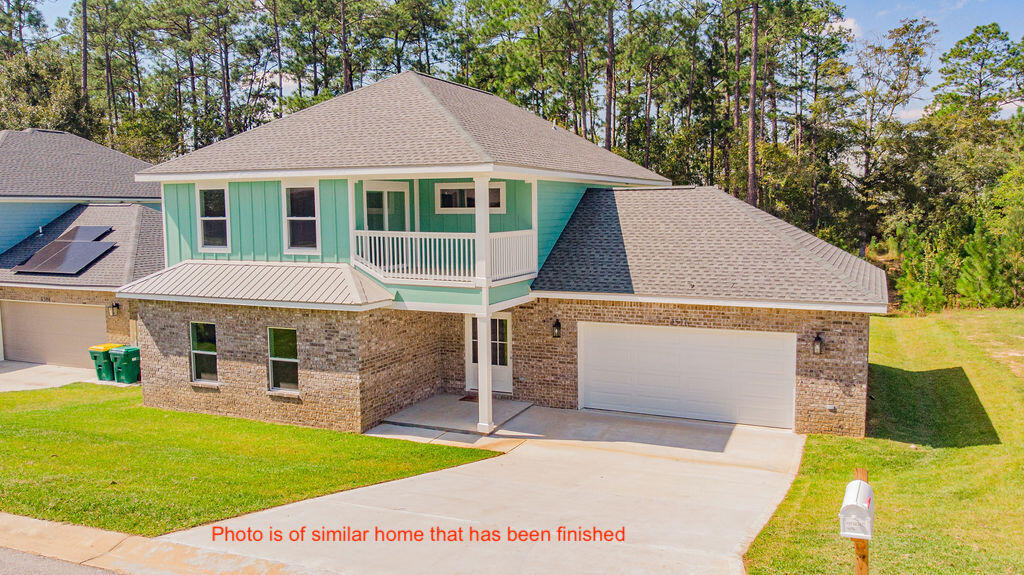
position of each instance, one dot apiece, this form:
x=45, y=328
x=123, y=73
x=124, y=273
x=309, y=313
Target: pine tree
x=920, y=285
x=981, y=282
x=1012, y=247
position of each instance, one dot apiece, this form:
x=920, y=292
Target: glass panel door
x=396, y=211
x=375, y=210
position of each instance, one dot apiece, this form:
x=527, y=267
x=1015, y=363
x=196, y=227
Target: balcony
x=441, y=258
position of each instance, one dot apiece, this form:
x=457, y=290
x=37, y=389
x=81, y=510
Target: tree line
x=774, y=101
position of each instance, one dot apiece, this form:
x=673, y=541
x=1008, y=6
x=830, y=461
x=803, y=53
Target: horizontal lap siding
x=556, y=201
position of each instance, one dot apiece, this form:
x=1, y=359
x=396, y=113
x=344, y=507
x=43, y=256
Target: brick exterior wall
x=545, y=368
x=118, y=327
x=355, y=369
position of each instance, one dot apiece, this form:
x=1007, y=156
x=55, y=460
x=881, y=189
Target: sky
x=867, y=19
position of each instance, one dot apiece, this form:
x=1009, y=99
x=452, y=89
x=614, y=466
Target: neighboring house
x=333, y=266
x=54, y=187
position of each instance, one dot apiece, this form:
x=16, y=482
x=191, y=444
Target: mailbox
x=857, y=515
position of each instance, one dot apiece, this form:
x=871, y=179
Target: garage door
x=720, y=375
x=51, y=333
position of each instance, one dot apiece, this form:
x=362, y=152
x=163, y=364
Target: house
x=334, y=266
x=74, y=226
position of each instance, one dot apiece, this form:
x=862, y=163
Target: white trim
x=192, y=352
x=256, y=302
x=514, y=279
x=271, y=359
x=370, y=271
x=509, y=303
x=717, y=302
x=441, y=186
x=416, y=204
x=163, y=224
x=468, y=350
x=507, y=171
x=54, y=303
x=351, y=182
x=213, y=186
x=385, y=186
x=285, y=219
x=436, y=307
x=110, y=289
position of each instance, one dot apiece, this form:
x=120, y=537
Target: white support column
x=352, y=219
x=481, y=187
x=483, y=380
x=416, y=204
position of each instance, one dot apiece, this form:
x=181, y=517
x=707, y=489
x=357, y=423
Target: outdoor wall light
x=819, y=344
x=113, y=309
x=556, y=329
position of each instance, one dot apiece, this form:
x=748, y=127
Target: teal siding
x=19, y=220
x=256, y=223
x=556, y=202
x=518, y=211
x=508, y=291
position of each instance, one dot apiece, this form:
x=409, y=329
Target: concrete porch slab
x=449, y=412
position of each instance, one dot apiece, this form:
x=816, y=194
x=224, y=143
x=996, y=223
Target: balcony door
x=387, y=206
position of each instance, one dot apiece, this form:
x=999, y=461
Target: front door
x=501, y=353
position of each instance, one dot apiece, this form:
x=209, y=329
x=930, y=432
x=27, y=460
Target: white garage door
x=52, y=333
x=720, y=375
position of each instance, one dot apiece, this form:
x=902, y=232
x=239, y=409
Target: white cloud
x=848, y=24
x=910, y=114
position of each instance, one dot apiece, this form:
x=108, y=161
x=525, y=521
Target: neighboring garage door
x=720, y=375
x=59, y=334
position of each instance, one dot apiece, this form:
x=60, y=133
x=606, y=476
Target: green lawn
x=945, y=454
x=93, y=455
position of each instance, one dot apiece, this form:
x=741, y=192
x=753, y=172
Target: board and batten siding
x=256, y=223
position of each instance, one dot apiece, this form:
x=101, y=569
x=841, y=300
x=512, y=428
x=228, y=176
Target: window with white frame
x=460, y=197
x=301, y=218
x=213, y=218
x=284, y=358
x=203, y=337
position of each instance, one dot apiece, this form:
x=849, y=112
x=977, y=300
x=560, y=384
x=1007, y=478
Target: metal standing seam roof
x=700, y=243
x=408, y=120
x=137, y=232
x=314, y=285
x=36, y=163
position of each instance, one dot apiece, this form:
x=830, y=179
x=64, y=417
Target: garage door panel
x=58, y=334
x=722, y=375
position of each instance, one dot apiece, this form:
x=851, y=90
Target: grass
x=945, y=454
x=93, y=455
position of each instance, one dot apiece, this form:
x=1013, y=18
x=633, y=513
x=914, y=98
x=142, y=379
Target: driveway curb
x=124, y=553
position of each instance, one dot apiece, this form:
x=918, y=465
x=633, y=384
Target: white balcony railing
x=513, y=254
x=433, y=257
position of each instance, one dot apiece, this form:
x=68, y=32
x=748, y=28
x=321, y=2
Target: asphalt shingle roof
x=137, y=231
x=407, y=120
x=54, y=164
x=700, y=243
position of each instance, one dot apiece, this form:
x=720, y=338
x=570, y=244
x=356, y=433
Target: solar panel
x=64, y=257
x=84, y=233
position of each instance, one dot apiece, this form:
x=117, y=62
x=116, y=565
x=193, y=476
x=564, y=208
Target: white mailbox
x=857, y=515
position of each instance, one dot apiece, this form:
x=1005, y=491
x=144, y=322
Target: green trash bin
x=100, y=355
x=126, y=364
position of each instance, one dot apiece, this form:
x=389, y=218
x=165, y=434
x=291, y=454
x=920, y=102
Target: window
x=499, y=341
x=213, y=219
x=460, y=198
x=284, y=358
x=204, y=351
x=301, y=218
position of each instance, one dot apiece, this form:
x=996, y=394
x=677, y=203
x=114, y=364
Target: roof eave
x=856, y=307
x=254, y=302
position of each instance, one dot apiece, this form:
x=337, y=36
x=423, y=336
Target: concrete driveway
x=21, y=376
x=689, y=495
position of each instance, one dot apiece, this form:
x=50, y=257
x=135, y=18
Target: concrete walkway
x=690, y=496
x=21, y=376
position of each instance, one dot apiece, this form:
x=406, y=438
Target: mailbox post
x=857, y=517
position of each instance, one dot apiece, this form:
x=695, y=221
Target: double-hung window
x=460, y=198
x=213, y=219
x=203, y=339
x=284, y=358
x=301, y=219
